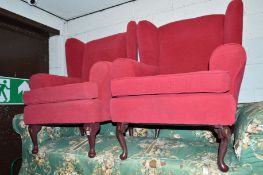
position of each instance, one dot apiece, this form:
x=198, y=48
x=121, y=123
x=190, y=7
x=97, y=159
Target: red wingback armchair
x=190, y=74
x=83, y=97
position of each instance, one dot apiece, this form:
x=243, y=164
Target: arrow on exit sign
x=23, y=87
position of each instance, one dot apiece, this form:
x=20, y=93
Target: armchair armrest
x=46, y=80
x=131, y=68
x=248, y=134
x=46, y=133
x=232, y=58
x=101, y=74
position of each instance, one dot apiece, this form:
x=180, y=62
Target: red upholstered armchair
x=83, y=97
x=190, y=74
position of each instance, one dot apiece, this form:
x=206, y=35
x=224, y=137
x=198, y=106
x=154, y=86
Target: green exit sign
x=12, y=89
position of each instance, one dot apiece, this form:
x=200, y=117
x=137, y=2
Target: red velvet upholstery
x=81, y=56
x=76, y=91
x=131, y=68
x=194, y=82
x=196, y=108
x=231, y=58
x=210, y=44
x=181, y=43
x=233, y=21
x=72, y=99
x=74, y=57
x=100, y=74
x=75, y=111
x=45, y=80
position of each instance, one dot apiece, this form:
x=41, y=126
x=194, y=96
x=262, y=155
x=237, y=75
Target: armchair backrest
x=186, y=45
x=81, y=56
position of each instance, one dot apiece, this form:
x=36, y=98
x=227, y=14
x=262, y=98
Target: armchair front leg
x=33, y=131
x=91, y=130
x=224, y=135
x=120, y=130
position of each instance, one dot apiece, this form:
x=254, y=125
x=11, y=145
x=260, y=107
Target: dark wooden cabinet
x=23, y=52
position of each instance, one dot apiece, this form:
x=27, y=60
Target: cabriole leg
x=91, y=130
x=224, y=134
x=120, y=130
x=33, y=130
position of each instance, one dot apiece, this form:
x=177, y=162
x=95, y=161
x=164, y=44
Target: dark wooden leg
x=120, y=130
x=232, y=129
x=224, y=134
x=130, y=131
x=81, y=130
x=33, y=130
x=91, y=130
x=157, y=132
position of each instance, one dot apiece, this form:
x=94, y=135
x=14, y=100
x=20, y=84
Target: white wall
x=56, y=43
x=159, y=12
x=163, y=11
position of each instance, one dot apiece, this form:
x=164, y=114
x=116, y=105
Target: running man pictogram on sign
x=12, y=89
x=4, y=90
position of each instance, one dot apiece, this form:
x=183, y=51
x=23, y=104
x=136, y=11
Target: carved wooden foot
x=33, y=130
x=81, y=130
x=120, y=130
x=91, y=130
x=157, y=132
x=224, y=134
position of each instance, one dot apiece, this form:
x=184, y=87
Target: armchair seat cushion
x=194, y=82
x=77, y=91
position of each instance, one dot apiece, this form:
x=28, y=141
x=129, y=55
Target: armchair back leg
x=33, y=130
x=91, y=129
x=81, y=130
x=157, y=132
x=120, y=130
x=130, y=129
x=224, y=135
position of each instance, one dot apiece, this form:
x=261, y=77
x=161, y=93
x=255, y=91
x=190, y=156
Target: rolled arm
x=248, y=134
x=231, y=58
x=101, y=74
x=46, y=80
x=130, y=68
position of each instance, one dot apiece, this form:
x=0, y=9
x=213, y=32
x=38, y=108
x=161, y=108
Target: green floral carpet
x=178, y=150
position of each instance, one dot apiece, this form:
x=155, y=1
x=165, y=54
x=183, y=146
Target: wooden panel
x=23, y=52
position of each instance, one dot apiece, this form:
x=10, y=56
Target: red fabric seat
x=194, y=82
x=76, y=91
